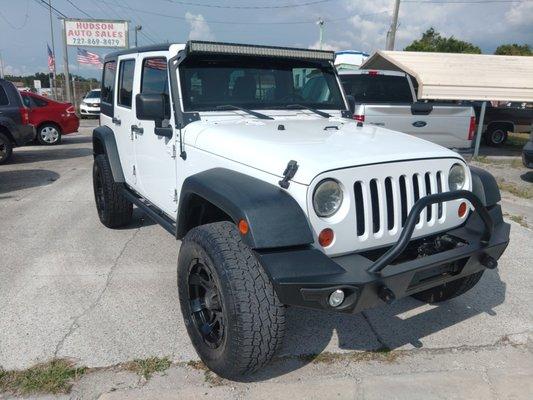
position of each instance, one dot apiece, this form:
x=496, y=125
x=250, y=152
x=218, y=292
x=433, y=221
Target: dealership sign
x=96, y=33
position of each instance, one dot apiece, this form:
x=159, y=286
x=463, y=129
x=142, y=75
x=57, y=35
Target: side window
x=125, y=83
x=39, y=102
x=154, y=79
x=26, y=100
x=4, y=101
x=108, y=80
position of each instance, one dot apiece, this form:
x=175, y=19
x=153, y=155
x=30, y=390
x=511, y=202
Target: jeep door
x=155, y=155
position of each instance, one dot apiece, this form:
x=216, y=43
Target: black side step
x=152, y=211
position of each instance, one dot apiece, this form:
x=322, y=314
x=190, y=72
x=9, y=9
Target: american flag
x=156, y=63
x=86, y=57
x=51, y=59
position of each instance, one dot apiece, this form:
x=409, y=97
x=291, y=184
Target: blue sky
x=350, y=24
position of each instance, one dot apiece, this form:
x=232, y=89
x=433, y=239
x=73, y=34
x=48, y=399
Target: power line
x=46, y=6
x=190, y=3
x=26, y=16
x=144, y=32
x=79, y=9
x=465, y=1
x=158, y=14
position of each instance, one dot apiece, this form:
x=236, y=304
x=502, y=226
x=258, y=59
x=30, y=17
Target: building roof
x=451, y=76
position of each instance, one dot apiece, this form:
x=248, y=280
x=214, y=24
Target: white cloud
x=331, y=45
x=199, y=27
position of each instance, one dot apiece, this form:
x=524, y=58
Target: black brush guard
x=306, y=276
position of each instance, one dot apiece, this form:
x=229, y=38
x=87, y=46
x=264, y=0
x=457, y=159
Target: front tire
x=449, y=290
x=232, y=314
x=49, y=135
x=6, y=149
x=114, y=210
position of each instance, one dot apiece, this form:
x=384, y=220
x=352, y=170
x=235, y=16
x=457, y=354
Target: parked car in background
x=499, y=121
x=90, y=105
x=15, y=127
x=50, y=118
x=388, y=99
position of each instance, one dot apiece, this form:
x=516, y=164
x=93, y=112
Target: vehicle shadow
x=23, y=179
x=42, y=153
x=377, y=331
x=527, y=177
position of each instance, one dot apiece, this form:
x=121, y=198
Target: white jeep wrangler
x=249, y=155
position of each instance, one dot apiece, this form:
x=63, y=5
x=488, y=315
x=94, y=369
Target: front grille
x=382, y=205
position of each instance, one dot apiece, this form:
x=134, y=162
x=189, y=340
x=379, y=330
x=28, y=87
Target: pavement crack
x=75, y=325
x=382, y=342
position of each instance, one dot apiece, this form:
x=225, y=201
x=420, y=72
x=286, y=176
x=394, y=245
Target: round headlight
x=456, y=178
x=327, y=198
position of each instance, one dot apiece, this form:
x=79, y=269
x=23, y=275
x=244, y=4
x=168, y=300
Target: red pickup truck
x=51, y=118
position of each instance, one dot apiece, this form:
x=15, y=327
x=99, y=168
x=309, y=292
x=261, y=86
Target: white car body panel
x=446, y=125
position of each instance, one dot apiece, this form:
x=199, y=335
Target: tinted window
x=93, y=94
x=4, y=101
x=108, y=81
x=259, y=84
x=39, y=102
x=125, y=82
x=154, y=78
x=377, y=88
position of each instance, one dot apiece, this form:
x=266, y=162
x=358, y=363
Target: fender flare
x=485, y=187
x=274, y=218
x=104, y=143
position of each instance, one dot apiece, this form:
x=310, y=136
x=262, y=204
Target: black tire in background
x=114, y=210
x=6, y=149
x=232, y=314
x=449, y=290
x=48, y=134
x=496, y=135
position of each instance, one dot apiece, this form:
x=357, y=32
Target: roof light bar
x=198, y=47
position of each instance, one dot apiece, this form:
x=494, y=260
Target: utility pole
x=1, y=66
x=65, y=62
x=137, y=29
x=320, y=24
x=391, y=35
x=53, y=85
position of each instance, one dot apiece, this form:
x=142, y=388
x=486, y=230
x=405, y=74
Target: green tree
x=514, y=50
x=432, y=40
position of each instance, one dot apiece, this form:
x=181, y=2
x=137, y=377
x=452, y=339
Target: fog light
x=336, y=298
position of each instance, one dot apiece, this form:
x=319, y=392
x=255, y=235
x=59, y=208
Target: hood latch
x=289, y=173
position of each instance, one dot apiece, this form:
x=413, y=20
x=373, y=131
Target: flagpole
x=53, y=85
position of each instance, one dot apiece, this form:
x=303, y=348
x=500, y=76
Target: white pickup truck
x=388, y=99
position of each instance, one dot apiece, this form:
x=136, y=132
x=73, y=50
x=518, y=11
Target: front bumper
x=306, y=277
x=89, y=110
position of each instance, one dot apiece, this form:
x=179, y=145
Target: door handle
x=137, y=129
x=116, y=121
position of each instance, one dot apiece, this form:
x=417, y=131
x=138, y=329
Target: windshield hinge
x=175, y=196
x=173, y=154
x=289, y=173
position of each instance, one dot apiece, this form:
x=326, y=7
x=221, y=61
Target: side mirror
x=151, y=107
x=351, y=102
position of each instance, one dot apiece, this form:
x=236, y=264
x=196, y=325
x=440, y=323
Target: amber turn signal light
x=325, y=238
x=243, y=227
x=463, y=208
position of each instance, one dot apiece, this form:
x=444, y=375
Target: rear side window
x=377, y=88
x=39, y=102
x=108, y=82
x=4, y=101
x=154, y=79
x=125, y=83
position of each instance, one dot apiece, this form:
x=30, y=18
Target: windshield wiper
x=302, y=107
x=254, y=113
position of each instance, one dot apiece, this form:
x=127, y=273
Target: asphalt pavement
x=71, y=288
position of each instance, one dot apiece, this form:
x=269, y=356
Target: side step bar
x=152, y=211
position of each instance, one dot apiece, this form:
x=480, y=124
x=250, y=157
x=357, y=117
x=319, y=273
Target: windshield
x=366, y=88
x=93, y=94
x=254, y=83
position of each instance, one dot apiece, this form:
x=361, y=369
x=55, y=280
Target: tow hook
x=385, y=294
x=488, y=261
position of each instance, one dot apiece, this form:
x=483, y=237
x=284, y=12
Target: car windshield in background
x=93, y=94
x=258, y=84
x=367, y=88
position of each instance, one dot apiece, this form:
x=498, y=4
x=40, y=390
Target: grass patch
x=517, y=139
x=147, y=367
x=525, y=192
x=381, y=354
x=197, y=365
x=53, y=377
x=506, y=162
x=518, y=219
